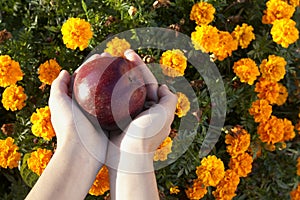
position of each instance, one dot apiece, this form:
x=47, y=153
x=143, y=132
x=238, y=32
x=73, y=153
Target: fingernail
x=164, y=85
x=128, y=52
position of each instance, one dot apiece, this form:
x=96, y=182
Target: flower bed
x=254, y=45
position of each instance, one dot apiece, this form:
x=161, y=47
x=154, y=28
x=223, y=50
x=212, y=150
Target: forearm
x=69, y=175
x=140, y=186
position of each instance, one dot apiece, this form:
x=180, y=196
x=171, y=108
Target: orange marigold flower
x=227, y=186
x=174, y=190
x=38, y=160
x=173, y=63
x=101, y=182
x=225, y=46
x=205, y=38
x=197, y=191
x=13, y=98
x=202, y=13
x=268, y=90
x=295, y=194
x=261, y=110
x=238, y=142
x=298, y=166
x=117, y=47
x=163, y=150
x=10, y=71
x=183, y=104
x=211, y=170
x=247, y=70
x=9, y=155
x=242, y=164
x=282, y=96
x=243, y=34
x=289, y=130
x=76, y=33
x=277, y=10
x=273, y=68
x=284, y=32
x=41, y=123
x=271, y=131
x=48, y=71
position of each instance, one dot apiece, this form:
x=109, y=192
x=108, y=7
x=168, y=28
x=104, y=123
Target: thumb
x=149, y=78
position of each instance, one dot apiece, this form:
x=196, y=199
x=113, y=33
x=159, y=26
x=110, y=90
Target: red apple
x=111, y=90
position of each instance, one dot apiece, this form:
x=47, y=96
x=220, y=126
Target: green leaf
x=53, y=29
x=84, y=7
x=28, y=176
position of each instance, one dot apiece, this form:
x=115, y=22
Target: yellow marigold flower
x=38, y=160
x=76, y=33
x=277, y=9
x=174, y=190
x=284, y=32
x=117, y=47
x=289, y=130
x=202, y=13
x=298, y=166
x=268, y=90
x=211, y=170
x=197, y=191
x=247, y=70
x=48, y=71
x=227, y=186
x=273, y=68
x=243, y=34
x=41, y=123
x=282, y=96
x=163, y=150
x=10, y=71
x=173, y=63
x=261, y=110
x=13, y=98
x=271, y=131
x=101, y=182
x=9, y=155
x=295, y=194
x=205, y=38
x=183, y=104
x=242, y=164
x=238, y=142
x=225, y=46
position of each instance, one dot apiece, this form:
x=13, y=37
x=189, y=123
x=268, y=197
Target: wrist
x=122, y=161
x=72, y=150
x=87, y=146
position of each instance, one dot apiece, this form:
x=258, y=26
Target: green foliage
x=36, y=37
x=28, y=176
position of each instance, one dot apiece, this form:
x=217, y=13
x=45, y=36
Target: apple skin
x=111, y=91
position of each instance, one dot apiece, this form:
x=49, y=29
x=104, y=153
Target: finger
x=105, y=54
x=61, y=84
x=167, y=100
x=150, y=80
x=59, y=93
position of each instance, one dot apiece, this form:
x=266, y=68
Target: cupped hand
x=133, y=149
x=72, y=127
